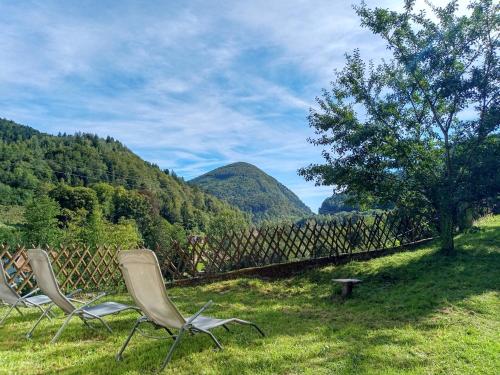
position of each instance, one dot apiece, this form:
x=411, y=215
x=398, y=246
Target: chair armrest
x=76, y=300
x=34, y=291
x=93, y=300
x=207, y=305
x=71, y=294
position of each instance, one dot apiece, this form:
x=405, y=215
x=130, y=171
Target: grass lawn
x=415, y=313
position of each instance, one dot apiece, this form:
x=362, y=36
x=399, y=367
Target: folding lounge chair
x=40, y=264
x=144, y=281
x=11, y=298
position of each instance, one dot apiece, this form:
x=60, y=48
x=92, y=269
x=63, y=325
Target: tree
x=337, y=203
x=42, y=225
x=186, y=216
x=74, y=198
x=393, y=131
x=225, y=222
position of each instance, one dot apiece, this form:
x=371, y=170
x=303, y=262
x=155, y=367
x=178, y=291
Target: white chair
x=145, y=284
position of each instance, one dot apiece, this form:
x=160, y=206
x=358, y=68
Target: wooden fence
x=81, y=267
x=75, y=267
x=203, y=257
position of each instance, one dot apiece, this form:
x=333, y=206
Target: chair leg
x=257, y=328
x=172, y=348
x=119, y=356
x=8, y=313
x=105, y=325
x=88, y=325
x=170, y=333
x=56, y=337
x=240, y=321
x=217, y=343
x=226, y=328
x=42, y=310
x=45, y=314
x=18, y=310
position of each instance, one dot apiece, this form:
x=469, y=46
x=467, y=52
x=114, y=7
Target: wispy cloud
x=190, y=85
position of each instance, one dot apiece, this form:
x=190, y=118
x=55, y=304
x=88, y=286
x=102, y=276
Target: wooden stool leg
x=347, y=290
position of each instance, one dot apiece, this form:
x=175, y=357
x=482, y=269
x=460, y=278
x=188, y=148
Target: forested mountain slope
x=121, y=183
x=252, y=190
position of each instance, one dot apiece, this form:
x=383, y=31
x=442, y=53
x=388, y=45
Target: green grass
x=415, y=313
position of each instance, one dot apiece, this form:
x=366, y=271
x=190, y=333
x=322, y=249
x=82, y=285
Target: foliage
x=249, y=188
x=343, y=203
x=11, y=217
x=414, y=313
x=224, y=222
x=10, y=234
x=98, y=184
x=413, y=129
x=336, y=203
x=11, y=214
x=93, y=230
x=42, y=225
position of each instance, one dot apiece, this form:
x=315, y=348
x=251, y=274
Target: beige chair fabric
x=10, y=297
x=144, y=281
x=46, y=280
x=7, y=294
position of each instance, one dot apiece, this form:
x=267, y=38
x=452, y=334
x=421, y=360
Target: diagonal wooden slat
x=78, y=266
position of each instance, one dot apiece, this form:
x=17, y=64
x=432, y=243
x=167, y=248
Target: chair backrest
x=7, y=293
x=46, y=280
x=144, y=281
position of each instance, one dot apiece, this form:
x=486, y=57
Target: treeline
x=102, y=214
x=83, y=188
x=342, y=203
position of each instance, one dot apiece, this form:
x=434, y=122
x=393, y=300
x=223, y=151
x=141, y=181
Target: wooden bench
x=347, y=286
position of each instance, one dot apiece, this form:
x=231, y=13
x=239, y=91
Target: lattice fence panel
x=79, y=267
x=76, y=267
x=263, y=246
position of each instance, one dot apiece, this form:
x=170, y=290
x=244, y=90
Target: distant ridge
x=32, y=161
x=252, y=190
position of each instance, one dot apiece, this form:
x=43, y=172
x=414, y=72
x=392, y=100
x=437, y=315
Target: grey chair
x=144, y=282
x=14, y=300
x=42, y=269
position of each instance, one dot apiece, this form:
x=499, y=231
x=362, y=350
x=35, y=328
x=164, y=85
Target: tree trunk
x=446, y=216
x=446, y=229
x=465, y=216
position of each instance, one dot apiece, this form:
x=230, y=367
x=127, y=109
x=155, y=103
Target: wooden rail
x=208, y=258
x=75, y=267
x=204, y=257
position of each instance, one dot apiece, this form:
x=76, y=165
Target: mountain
x=340, y=203
x=335, y=204
x=32, y=162
x=252, y=190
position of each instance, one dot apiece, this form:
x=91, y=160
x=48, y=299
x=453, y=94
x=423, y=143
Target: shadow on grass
x=400, y=291
x=409, y=286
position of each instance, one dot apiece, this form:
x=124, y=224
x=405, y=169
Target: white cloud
x=188, y=85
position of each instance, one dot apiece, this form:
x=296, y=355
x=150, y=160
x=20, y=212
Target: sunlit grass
x=414, y=313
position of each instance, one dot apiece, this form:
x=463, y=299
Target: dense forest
x=82, y=188
x=343, y=203
x=337, y=203
x=252, y=190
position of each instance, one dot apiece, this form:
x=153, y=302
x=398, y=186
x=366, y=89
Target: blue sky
x=189, y=85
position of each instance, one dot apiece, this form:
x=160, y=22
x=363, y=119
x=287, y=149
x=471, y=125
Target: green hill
x=32, y=162
x=340, y=202
x=252, y=190
x=335, y=204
